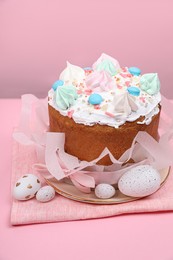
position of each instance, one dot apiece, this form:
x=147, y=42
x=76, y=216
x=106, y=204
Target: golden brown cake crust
x=87, y=142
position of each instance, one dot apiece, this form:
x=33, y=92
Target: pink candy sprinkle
x=79, y=91
x=97, y=106
x=124, y=69
x=88, y=91
x=123, y=75
x=127, y=83
x=142, y=99
x=109, y=114
x=126, y=75
x=70, y=113
x=119, y=87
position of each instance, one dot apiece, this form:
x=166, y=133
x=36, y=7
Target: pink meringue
x=100, y=81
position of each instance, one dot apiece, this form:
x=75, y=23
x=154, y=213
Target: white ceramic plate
x=66, y=189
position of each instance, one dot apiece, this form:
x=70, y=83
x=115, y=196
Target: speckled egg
x=140, y=181
x=104, y=191
x=45, y=194
x=26, y=187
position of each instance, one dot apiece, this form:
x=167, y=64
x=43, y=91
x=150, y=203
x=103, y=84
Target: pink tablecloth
x=135, y=236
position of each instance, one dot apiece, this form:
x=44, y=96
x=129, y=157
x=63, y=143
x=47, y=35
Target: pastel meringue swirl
x=107, y=63
x=100, y=81
x=72, y=74
x=122, y=105
x=150, y=83
x=66, y=96
x=108, y=66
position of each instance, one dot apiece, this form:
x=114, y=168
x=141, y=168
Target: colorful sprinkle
x=88, y=91
x=57, y=83
x=109, y=114
x=95, y=99
x=123, y=75
x=104, y=107
x=133, y=91
x=79, y=91
x=70, y=113
x=87, y=68
x=124, y=69
x=134, y=71
x=119, y=86
x=96, y=106
x=127, y=83
x=142, y=99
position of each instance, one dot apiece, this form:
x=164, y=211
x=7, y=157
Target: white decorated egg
x=140, y=181
x=26, y=187
x=104, y=191
x=45, y=194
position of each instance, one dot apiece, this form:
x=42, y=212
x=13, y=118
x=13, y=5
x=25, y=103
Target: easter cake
x=101, y=106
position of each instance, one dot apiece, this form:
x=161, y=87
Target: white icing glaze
x=87, y=114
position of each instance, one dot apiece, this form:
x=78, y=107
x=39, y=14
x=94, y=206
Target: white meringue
x=72, y=74
x=122, y=105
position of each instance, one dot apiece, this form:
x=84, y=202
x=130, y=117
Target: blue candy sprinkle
x=95, y=99
x=87, y=68
x=133, y=91
x=134, y=71
x=57, y=83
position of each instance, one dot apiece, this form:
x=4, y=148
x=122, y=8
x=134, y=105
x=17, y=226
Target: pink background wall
x=38, y=36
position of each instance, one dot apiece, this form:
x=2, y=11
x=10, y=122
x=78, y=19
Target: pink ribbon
x=53, y=160
x=33, y=124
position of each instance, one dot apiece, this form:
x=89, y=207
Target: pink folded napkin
x=62, y=209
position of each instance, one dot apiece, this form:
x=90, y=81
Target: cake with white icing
x=105, y=105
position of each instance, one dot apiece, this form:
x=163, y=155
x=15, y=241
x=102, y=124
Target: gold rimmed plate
x=66, y=189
